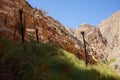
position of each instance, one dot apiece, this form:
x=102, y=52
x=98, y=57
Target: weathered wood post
x=37, y=36
x=36, y=30
x=86, y=55
x=21, y=25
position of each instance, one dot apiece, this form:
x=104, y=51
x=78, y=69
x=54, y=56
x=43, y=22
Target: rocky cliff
x=48, y=28
x=110, y=29
x=96, y=43
x=103, y=42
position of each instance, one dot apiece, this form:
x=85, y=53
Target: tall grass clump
x=47, y=61
x=28, y=60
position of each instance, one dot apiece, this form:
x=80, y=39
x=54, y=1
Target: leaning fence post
x=37, y=35
x=86, y=55
x=36, y=31
x=21, y=25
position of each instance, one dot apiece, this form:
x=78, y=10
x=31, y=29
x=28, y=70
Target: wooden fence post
x=86, y=55
x=21, y=25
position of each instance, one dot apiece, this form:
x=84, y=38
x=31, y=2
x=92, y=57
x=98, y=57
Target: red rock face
x=49, y=29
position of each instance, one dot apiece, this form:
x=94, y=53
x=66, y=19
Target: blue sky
x=72, y=13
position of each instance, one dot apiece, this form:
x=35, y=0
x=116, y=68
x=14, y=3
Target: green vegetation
x=47, y=61
x=108, y=62
x=111, y=60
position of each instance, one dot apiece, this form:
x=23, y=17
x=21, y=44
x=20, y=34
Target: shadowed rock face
x=49, y=29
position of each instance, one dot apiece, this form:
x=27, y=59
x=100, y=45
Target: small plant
x=108, y=61
x=116, y=66
x=42, y=12
x=111, y=60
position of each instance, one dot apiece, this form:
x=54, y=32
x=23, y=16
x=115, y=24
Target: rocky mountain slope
x=96, y=43
x=103, y=42
x=110, y=29
x=48, y=28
